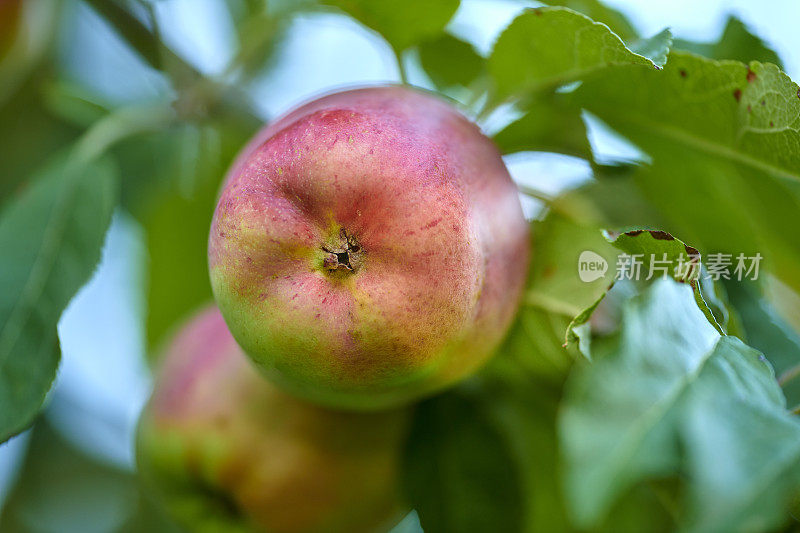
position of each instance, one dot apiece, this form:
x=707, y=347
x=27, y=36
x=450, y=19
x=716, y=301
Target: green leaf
x=261, y=27
x=558, y=299
x=729, y=134
x=747, y=115
x=596, y=10
x=51, y=236
x=547, y=47
x=524, y=411
x=536, y=343
x=736, y=42
x=647, y=255
x=770, y=334
x=449, y=61
x=716, y=296
x=612, y=200
x=28, y=130
x=562, y=282
x=549, y=125
x=555, y=294
x=670, y=396
x=259, y=39
x=72, y=103
x=784, y=300
x=554, y=283
x=654, y=48
x=177, y=244
x=742, y=447
x=658, y=250
x=403, y=23
x=62, y=490
x=459, y=473
x=524, y=408
x=170, y=183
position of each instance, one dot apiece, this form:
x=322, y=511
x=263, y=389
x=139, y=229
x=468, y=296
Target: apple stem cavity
x=344, y=256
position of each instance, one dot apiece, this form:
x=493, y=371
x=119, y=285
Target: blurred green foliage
x=402, y=23
x=450, y=61
x=736, y=42
x=650, y=420
x=51, y=238
x=556, y=58
x=713, y=412
x=62, y=490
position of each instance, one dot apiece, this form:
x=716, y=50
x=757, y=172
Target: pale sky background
x=103, y=381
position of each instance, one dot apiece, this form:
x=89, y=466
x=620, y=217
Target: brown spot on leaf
x=771, y=124
x=738, y=95
x=662, y=235
x=748, y=108
x=633, y=233
x=750, y=75
x=683, y=73
x=538, y=12
x=693, y=252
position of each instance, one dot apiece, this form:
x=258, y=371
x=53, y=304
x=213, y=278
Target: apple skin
x=224, y=450
x=369, y=248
